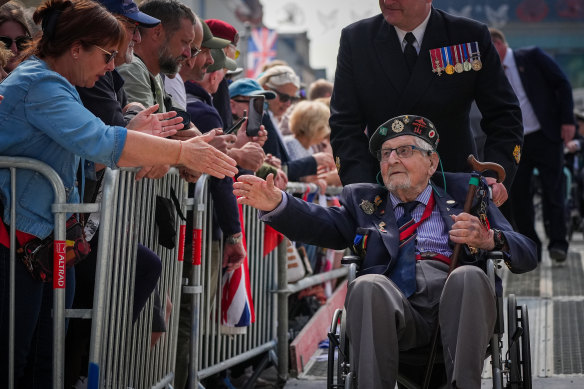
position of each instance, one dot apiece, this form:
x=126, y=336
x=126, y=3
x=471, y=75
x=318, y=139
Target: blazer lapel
x=390, y=56
x=520, y=64
x=435, y=36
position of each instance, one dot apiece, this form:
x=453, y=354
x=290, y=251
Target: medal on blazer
x=436, y=60
x=466, y=65
x=367, y=207
x=476, y=57
x=457, y=62
x=449, y=69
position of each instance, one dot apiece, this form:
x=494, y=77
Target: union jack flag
x=261, y=48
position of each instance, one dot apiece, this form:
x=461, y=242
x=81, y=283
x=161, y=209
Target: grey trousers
x=381, y=323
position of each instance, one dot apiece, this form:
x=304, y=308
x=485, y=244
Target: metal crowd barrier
x=212, y=350
x=121, y=355
x=60, y=208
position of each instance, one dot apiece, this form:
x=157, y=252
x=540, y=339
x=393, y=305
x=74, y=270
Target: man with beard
x=161, y=50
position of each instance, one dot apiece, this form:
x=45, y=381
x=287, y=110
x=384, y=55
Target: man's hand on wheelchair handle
x=260, y=194
x=500, y=194
x=468, y=229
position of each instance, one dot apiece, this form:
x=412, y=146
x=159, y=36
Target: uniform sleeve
x=501, y=116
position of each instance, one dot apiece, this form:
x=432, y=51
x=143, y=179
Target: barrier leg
x=282, y=314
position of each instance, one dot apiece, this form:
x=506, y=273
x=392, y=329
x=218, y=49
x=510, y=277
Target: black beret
x=404, y=125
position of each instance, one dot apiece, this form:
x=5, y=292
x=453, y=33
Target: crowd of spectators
x=153, y=86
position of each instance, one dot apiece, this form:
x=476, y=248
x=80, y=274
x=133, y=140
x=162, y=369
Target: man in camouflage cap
x=404, y=233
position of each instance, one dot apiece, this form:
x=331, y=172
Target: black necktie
x=410, y=53
x=406, y=219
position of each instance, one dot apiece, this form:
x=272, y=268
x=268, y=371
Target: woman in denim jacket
x=42, y=117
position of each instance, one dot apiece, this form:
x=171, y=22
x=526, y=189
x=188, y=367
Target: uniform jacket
x=372, y=85
x=335, y=227
x=547, y=89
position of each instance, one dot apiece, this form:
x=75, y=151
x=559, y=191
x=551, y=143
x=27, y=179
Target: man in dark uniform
x=547, y=108
x=449, y=63
x=405, y=232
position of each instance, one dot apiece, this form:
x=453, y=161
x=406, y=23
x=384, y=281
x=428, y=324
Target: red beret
x=224, y=30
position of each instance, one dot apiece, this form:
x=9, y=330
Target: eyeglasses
x=402, y=152
x=108, y=56
x=21, y=41
x=195, y=51
x=284, y=98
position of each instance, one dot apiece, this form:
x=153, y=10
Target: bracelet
x=179, y=153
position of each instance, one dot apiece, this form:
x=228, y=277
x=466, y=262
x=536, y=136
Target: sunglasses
x=195, y=51
x=108, y=56
x=241, y=101
x=284, y=98
x=21, y=41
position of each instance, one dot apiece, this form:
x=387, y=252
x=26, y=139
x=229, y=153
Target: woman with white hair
x=283, y=81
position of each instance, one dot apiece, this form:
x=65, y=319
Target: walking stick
x=473, y=183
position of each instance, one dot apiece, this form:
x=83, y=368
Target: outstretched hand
x=197, y=154
x=469, y=230
x=260, y=194
x=157, y=124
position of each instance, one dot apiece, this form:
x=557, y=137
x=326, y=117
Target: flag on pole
x=261, y=48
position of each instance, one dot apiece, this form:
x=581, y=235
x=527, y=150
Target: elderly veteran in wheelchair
x=404, y=232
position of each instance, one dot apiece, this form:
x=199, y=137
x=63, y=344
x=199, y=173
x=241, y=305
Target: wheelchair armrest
x=354, y=262
x=349, y=259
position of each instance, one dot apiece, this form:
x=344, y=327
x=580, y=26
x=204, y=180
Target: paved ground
x=554, y=295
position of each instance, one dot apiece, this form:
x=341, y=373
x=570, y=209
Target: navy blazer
x=547, y=89
x=372, y=85
x=336, y=227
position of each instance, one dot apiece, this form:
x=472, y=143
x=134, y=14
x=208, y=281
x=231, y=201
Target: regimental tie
x=410, y=53
x=403, y=274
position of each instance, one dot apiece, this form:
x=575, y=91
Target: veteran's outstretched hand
x=258, y=193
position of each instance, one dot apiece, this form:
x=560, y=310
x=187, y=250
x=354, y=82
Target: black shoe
x=558, y=254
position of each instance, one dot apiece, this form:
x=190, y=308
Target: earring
x=75, y=56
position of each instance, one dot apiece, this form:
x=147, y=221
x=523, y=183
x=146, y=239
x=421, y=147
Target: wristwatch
x=499, y=239
x=232, y=239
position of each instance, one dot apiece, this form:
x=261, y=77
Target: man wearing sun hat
x=402, y=285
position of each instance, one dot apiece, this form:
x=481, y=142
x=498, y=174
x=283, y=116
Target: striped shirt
x=432, y=234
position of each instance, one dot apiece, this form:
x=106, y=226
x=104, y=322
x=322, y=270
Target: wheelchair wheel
x=525, y=349
x=333, y=345
x=514, y=378
x=519, y=360
x=343, y=362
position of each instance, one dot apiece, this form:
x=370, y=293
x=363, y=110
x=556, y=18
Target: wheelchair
x=511, y=370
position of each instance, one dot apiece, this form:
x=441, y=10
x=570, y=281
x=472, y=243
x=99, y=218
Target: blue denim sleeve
x=53, y=106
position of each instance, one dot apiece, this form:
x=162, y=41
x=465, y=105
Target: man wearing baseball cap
x=404, y=232
x=224, y=30
x=161, y=51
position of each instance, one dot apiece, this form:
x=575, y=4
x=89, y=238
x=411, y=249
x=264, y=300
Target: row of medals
x=474, y=64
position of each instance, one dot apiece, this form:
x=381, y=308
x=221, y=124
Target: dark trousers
x=548, y=157
x=33, y=338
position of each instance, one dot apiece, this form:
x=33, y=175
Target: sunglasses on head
x=21, y=41
x=284, y=98
x=108, y=56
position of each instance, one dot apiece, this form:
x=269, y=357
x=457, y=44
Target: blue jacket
x=336, y=227
x=42, y=117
